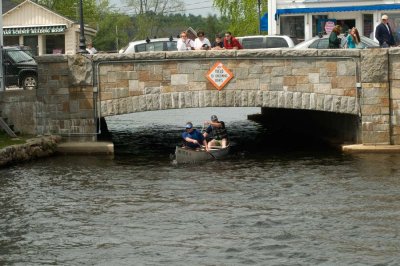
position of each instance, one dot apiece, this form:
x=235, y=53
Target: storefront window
x=368, y=21
x=11, y=40
x=318, y=24
x=394, y=22
x=55, y=44
x=292, y=26
x=31, y=43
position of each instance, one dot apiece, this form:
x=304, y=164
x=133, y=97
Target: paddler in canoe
x=193, y=138
x=217, y=132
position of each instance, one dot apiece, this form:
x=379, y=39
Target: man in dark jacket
x=383, y=33
x=218, y=132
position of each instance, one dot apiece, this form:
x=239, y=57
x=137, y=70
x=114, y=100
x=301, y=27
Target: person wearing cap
x=217, y=131
x=383, y=33
x=193, y=138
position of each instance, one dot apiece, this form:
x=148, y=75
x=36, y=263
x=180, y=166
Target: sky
x=199, y=7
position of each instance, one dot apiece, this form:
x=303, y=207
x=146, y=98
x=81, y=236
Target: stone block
x=241, y=73
x=322, y=88
x=221, y=54
x=346, y=68
x=179, y=79
x=174, y=101
x=313, y=101
x=375, y=137
x=154, y=55
x=313, y=78
x=256, y=69
x=305, y=101
x=221, y=98
x=142, y=103
x=290, y=81
x=297, y=100
x=374, y=67
x=320, y=102
x=195, y=99
x=230, y=98
x=370, y=110
x=258, y=53
x=250, y=84
x=273, y=99
x=214, y=98
x=289, y=100
x=298, y=53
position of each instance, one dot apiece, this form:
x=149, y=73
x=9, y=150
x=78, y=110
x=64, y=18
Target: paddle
x=212, y=155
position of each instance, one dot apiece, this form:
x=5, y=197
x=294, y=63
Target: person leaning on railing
x=334, y=40
x=184, y=43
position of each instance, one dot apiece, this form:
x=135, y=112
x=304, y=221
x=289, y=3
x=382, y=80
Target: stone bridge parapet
x=75, y=91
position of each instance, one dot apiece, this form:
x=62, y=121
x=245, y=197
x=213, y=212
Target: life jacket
x=220, y=133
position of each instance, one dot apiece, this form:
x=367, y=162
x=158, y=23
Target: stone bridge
x=75, y=92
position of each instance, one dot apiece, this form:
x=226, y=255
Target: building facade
x=42, y=30
x=305, y=19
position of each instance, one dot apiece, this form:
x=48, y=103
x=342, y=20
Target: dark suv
x=20, y=68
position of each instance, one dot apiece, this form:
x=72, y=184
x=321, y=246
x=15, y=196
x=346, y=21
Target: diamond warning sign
x=219, y=75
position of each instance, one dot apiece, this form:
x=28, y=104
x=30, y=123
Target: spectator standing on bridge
x=216, y=130
x=334, y=40
x=90, y=48
x=231, y=42
x=218, y=44
x=383, y=33
x=353, y=39
x=193, y=138
x=201, y=42
x=184, y=43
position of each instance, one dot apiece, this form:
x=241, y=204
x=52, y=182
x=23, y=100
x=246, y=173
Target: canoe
x=187, y=155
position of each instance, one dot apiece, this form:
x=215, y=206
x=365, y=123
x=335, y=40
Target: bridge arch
x=76, y=91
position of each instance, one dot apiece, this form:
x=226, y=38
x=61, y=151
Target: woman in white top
x=201, y=42
x=184, y=43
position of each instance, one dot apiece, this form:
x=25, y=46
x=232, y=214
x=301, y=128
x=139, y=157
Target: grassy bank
x=6, y=140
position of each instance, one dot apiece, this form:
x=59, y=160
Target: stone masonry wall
x=394, y=84
x=375, y=97
x=66, y=97
x=286, y=78
x=18, y=107
x=74, y=91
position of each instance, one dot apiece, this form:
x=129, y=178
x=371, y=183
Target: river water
x=266, y=204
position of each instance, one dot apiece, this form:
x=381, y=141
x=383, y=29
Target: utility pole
x=1, y=49
x=82, y=40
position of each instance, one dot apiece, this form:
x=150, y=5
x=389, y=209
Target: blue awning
x=264, y=22
x=284, y=11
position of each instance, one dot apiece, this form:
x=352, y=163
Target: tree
x=147, y=15
x=70, y=9
x=113, y=32
x=243, y=15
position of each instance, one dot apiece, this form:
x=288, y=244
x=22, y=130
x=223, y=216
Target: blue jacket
x=195, y=134
x=382, y=34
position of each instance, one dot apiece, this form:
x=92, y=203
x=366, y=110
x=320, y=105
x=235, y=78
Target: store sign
x=329, y=25
x=219, y=75
x=34, y=30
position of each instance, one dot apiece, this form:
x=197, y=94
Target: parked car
x=322, y=42
x=149, y=45
x=20, y=68
x=266, y=41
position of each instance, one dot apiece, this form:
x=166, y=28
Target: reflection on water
x=261, y=206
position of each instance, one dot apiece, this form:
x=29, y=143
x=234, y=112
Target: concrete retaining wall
x=34, y=148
